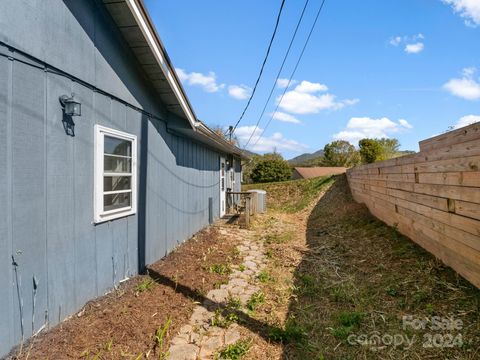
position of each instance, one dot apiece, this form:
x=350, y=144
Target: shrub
x=271, y=170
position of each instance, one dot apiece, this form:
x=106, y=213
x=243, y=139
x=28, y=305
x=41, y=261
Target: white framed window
x=115, y=190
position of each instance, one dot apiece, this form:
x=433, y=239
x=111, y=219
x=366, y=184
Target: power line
x=294, y=70
x=278, y=74
x=261, y=69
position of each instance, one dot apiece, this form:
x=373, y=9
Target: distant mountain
x=249, y=153
x=305, y=157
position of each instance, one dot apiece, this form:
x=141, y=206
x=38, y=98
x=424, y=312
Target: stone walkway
x=202, y=338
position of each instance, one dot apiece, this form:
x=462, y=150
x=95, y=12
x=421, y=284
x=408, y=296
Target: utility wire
x=261, y=69
x=278, y=74
x=294, y=70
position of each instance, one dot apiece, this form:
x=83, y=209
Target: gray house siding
x=53, y=259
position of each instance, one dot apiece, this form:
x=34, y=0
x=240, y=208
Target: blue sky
x=397, y=68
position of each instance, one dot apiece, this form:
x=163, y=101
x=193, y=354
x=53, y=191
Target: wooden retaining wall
x=433, y=197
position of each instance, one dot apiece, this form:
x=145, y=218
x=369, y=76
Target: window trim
x=98, y=199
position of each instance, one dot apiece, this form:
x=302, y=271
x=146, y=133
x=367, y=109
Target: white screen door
x=222, y=186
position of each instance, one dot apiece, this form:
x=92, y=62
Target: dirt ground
x=343, y=285
x=338, y=284
x=123, y=324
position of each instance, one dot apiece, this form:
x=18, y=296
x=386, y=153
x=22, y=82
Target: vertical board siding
x=134, y=126
x=430, y=197
x=47, y=187
x=29, y=205
x=60, y=205
x=6, y=293
x=82, y=163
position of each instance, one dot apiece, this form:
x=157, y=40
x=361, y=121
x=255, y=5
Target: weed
x=429, y=308
x=263, y=276
x=220, y=269
x=231, y=318
x=420, y=296
x=353, y=318
x=235, y=351
x=242, y=267
x=340, y=295
x=391, y=291
x=255, y=300
x=342, y=332
x=346, y=323
x=234, y=304
x=395, y=232
x=223, y=321
x=160, y=337
x=145, y=285
x=307, y=285
x=235, y=252
x=278, y=238
x=108, y=345
x=291, y=333
x=269, y=254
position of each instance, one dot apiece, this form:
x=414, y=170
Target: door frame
x=222, y=182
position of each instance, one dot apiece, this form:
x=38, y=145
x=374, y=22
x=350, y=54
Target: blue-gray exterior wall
x=47, y=235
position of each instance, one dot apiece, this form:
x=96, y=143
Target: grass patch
x=346, y=322
x=145, y=285
x=264, y=276
x=294, y=195
x=255, y=300
x=291, y=333
x=223, y=319
x=235, y=351
x=159, y=338
x=277, y=238
x=220, y=269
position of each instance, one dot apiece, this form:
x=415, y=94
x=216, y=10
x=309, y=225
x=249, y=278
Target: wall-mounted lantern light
x=70, y=105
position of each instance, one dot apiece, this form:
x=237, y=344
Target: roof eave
x=143, y=20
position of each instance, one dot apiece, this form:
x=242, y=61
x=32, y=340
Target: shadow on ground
x=357, y=280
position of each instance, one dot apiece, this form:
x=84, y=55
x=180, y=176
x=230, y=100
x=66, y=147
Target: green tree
x=370, y=150
x=270, y=168
x=373, y=150
x=390, y=148
x=340, y=153
x=250, y=164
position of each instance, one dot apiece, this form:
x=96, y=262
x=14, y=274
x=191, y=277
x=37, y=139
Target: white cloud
x=396, y=40
x=405, y=123
x=467, y=120
x=303, y=99
x=284, y=117
x=365, y=127
x=413, y=43
x=414, y=48
x=465, y=87
x=468, y=9
x=309, y=87
x=206, y=82
x=275, y=142
x=239, y=92
x=283, y=83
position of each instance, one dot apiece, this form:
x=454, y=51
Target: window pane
x=114, y=183
x=117, y=146
x=116, y=201
x=117, y=164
